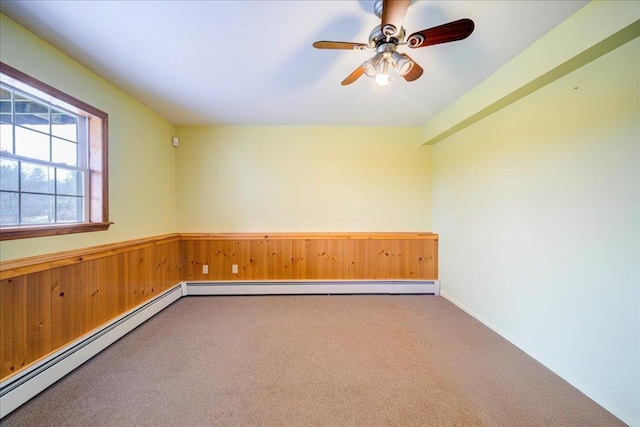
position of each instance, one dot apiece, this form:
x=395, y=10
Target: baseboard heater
x=314, y=287
x=23, y=386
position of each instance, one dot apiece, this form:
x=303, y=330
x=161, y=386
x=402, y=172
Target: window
x=53, y=160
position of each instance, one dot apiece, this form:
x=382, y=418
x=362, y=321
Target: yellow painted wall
x=537, y=205
x=538, y=211
x=268, y=179
x=141, y=158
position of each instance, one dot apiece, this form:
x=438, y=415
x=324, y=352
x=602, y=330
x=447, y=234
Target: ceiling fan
x=389, y=35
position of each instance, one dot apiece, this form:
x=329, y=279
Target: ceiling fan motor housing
x=377, y=37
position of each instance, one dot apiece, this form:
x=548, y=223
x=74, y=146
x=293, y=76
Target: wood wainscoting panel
x=139, y=276
x=298, y=258
x=256, y=259
x=279, y=259
x=108, y=276
x=42, y=311
x=151, y=270
x=251, y=258
x=329, y=259
x=217, y=254
x=312, y=256
x=429, y=261
x=38, y=318
x=70, y=303
x=389, y=259
x=25, y=320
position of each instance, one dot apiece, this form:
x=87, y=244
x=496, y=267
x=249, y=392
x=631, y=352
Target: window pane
x=31, y=113
x=70, y=182
x=37, y=178
x=64, y=152
x=32, y=144
x=49, y=159
x=70, y=209
x=9, y=208
x=64, y=125
x=8, y=175
x=37, y=209
x=5, y=105
x=6, y=138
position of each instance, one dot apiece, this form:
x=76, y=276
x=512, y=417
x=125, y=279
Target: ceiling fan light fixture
x=382, y=78
x=387, y=37
x=403, y=64
x=370, y=67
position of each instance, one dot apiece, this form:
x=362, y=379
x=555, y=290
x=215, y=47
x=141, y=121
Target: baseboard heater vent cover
x=310, y=287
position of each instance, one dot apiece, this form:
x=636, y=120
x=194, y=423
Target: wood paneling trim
x=14, y=233
x=310, y=236
x=22, y=266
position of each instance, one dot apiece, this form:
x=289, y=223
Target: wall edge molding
x=310, y=236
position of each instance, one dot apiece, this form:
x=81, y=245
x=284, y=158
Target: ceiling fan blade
x=340, y=45
x=393, y=13
x=416, y=70
x=353, y=76
x=456, y=30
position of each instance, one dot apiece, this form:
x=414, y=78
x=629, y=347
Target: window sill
x=13, y=233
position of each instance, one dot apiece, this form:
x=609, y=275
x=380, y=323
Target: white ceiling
x=252, y=63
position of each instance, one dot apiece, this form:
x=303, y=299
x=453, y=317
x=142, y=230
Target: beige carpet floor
x=312, y=360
